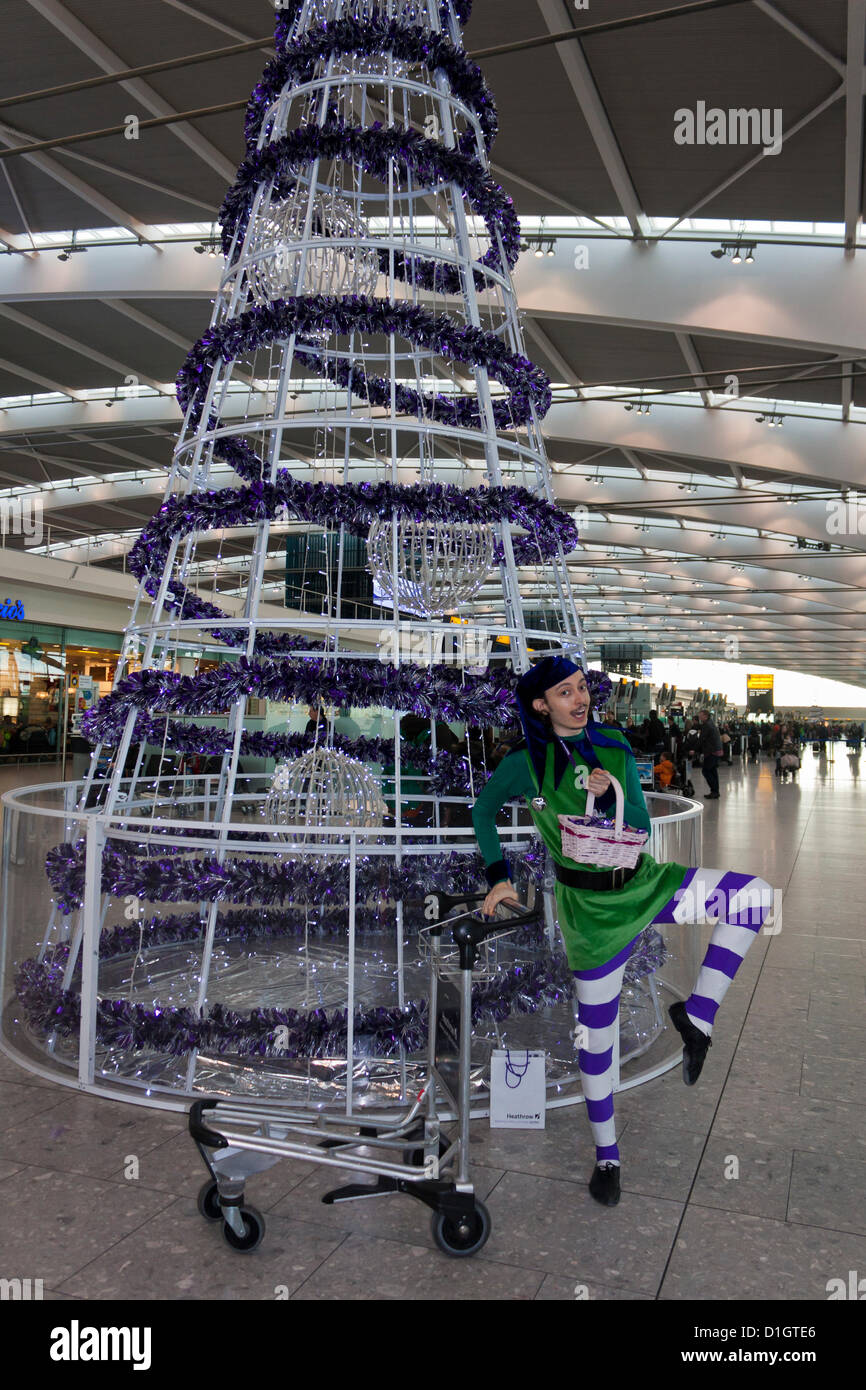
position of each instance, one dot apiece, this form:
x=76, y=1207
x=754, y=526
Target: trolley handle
x=438, y=905
x=468, y=935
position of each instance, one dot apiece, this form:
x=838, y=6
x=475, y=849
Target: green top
x=594, y=925
x=515, y=777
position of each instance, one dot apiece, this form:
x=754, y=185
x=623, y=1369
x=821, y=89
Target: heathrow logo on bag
x=517, y=1089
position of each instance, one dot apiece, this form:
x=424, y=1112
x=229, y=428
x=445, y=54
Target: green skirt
x=596, y=926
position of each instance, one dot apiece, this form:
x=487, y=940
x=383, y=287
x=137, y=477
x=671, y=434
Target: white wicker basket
x=591, y=839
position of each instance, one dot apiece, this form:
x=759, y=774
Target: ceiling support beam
x=508, y=176
x=104, y=57
x=34, y=326
x=117, y=216
x=553, y=355
x=16, y=243
x=690, y=356
x=801, y=35
x=579, y=75
x=635, y=463
x=210, y=208
x=95, y=443
x=810, y=115
x=26, y=374
x=196, y=12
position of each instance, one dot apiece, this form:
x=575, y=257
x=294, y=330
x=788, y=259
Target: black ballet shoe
x=604, y=1184
x=695, y=1043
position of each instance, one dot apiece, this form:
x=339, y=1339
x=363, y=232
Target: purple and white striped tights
x=739, y=904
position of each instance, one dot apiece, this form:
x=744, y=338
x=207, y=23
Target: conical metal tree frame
x=368, y=137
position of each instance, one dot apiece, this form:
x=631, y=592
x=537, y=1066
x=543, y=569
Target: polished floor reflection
x=750, y=1185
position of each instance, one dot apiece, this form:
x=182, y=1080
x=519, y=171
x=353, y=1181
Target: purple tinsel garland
x=379, y=1031
x=303, y=315
x=296, y=63
x=290, y=10
x=482, y=700
x=353, y=506
x=376, y=150
x=524, y=988
x=448, y=772
x=164, y=876
x=245, y=925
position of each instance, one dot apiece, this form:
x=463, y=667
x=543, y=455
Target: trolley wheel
x=463, y=1236
x=254, y=1231
x=209, y=1202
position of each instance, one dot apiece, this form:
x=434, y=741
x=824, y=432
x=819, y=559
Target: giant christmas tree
x=362, y=401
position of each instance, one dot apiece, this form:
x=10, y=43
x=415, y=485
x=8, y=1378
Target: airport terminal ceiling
x=690, y=182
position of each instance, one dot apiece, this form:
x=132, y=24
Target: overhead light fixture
x=72, y=249
x=551, y=248
x=539, y=251
x=735, y=250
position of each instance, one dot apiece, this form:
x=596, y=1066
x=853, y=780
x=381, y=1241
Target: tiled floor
x=751, y=1185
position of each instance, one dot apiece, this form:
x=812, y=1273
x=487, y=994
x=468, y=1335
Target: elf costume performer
x=602, y=912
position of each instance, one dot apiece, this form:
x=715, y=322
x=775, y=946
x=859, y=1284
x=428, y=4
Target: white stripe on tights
x=736, y=939
x=598, y=1087
x=757, y=895
x=601, y=991
x=691, y=907
x=712, y=984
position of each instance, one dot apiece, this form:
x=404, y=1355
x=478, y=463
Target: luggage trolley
x=408, y=1152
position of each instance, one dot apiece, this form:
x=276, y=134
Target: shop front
x=49, y=677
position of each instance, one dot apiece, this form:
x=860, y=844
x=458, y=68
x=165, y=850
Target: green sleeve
x=512, y=778
x=636, y=812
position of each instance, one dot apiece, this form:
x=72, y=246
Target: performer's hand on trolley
x=502, y=892
x=598, y=781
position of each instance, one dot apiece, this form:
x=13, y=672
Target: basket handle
x=620, y=805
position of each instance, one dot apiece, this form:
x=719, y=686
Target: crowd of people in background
x=698, y=742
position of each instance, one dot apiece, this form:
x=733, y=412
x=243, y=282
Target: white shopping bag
x=517, y=1089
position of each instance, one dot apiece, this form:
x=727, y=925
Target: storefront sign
x=12, y=609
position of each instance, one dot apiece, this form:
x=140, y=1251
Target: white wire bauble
x=335, y=263
x=440, y=564
x=323, y=789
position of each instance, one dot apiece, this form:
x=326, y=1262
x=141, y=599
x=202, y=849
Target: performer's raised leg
x=739, y=904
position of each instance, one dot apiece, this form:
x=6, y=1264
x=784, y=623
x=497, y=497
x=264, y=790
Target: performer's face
x=567, y=704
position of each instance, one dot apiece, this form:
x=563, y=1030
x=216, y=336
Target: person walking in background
x=710, y=746
x=655, y=735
